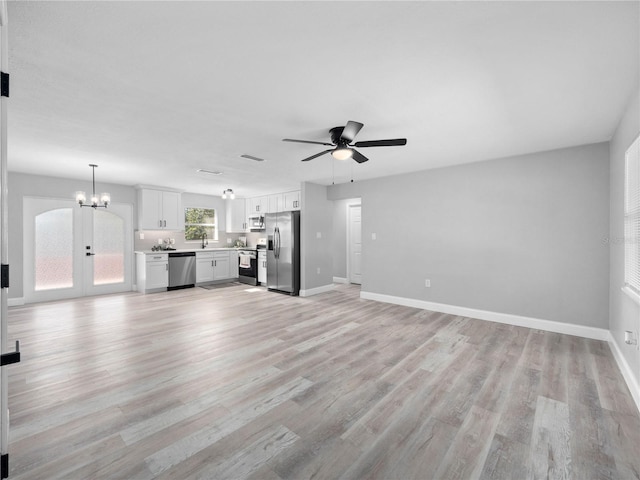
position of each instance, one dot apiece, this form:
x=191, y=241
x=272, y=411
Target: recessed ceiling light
x=208, y=172
x=251, y=157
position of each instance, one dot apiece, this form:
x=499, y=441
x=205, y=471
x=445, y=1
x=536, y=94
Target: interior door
x=70, y=251
x=355, y=244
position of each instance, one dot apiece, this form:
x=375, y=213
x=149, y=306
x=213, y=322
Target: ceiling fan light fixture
x=342, y=153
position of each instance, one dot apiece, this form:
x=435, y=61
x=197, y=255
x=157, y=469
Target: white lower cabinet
x=221, y=265
x=152, y=272
x=214, y=266
x=233, y=264
x=204, y=267
x=152, y=269
x=262, y=266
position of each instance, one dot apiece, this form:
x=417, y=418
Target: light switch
x=319, y=235
x=373, y=236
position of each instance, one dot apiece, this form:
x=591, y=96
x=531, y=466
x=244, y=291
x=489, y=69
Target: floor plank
x=244, y=383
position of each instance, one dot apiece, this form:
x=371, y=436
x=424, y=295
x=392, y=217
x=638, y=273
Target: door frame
x=356, y=202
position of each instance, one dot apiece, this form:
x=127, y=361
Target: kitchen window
x=198, y=222
x=632, y=221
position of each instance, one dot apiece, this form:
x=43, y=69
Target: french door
x=71, y=251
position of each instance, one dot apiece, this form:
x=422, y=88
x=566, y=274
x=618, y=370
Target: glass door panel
x=54, y=250
x=108, y=247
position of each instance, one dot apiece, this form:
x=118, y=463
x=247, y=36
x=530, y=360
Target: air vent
x=208, y=172
x=251, y=157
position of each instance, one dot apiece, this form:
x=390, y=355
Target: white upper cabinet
x=258, y=205
x=276, y=203
x=236, y=216
x=158, y=210
x=291, y=201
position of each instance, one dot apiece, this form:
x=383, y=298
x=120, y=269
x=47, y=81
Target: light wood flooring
x=234, y=383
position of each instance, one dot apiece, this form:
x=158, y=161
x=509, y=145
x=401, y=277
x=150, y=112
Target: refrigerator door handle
x=277, y=252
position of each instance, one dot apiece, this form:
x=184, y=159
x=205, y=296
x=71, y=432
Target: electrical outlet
x=427, y=283
x=141, y=236
x=318, y=270
x=228, y=241
x=319, y=235
x=629, y=338
x=373, y=236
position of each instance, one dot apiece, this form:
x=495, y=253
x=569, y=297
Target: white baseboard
x=627, y=371
x=520, y=321
x=15, y=302
x=340, y=280
x=316, y=291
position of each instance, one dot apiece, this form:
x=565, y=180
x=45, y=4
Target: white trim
x=631, y=294
x=339, y=280
x=520, y=321
x=15, y=302
x=626, y=370
x=316, y=291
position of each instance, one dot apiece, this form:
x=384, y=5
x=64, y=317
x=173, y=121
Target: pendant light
x=102, y=202
x=228, y=193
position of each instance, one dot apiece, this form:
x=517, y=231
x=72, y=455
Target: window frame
x=213, y=225
x=631, y=221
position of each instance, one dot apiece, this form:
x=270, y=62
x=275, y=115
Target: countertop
x=208, y=249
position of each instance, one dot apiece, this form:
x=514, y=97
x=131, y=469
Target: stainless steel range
x=248, y=266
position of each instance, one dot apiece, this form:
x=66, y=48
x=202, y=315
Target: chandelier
x=104, y=199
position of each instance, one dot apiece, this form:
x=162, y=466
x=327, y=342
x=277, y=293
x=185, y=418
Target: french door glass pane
x=108, y=246
x=54, y=249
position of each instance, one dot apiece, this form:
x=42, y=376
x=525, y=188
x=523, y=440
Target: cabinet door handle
x=212, y=263
x=160, y=223
x=215, y=262
x=165, y=223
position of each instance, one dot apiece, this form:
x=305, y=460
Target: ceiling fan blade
x=316, y=155
x=307, y=141
x=358, y=157
x=395, y=142
x=350, y=131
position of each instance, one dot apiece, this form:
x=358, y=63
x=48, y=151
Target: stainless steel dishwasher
x=182, y=270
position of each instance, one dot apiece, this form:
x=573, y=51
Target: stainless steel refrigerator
x=283, y=252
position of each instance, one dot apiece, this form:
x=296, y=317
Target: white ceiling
x=152, y=91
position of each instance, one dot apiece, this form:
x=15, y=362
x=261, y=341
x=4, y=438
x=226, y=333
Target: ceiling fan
x=341, y=138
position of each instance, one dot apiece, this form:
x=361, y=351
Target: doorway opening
x=354, y=243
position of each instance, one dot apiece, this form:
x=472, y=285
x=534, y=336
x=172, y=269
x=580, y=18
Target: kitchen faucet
x=204, y=240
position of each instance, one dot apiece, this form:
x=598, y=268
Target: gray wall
x=316, y=234
x=339, y=240
x=21, y=185
x=624, y=313
x=522, y=235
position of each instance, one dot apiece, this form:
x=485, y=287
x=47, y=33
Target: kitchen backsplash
x=151, y=238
